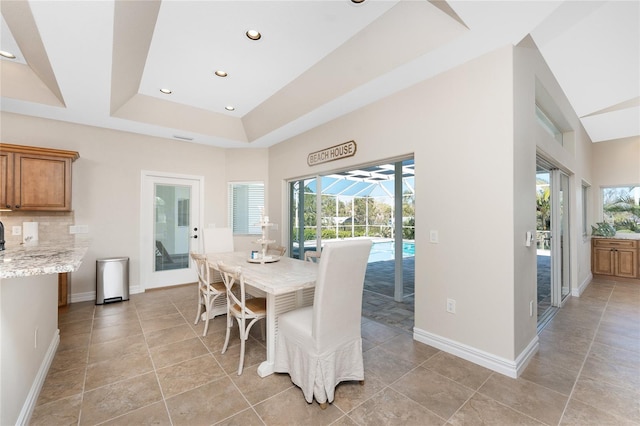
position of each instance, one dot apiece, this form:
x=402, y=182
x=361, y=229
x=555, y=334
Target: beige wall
x=474, y=136
x=573, y=157
x=458, y=126
x=107, y=177
x=474, y=139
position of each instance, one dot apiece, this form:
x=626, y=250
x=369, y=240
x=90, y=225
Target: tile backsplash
x=52, y=226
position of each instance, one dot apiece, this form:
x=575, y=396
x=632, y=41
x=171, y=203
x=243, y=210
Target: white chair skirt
x=317, y=374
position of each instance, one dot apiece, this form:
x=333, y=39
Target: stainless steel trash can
x=112, y=280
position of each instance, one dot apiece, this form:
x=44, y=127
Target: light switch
x=433, y=236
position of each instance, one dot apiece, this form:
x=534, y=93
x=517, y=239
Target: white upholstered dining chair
x=208, y=293
x=217, y=240
x=246, y=311
x=321, y=345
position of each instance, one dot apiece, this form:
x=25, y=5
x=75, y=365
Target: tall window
x=246, y=201
x=621, y=207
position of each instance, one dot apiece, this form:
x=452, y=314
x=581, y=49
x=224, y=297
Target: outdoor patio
x=378, y=303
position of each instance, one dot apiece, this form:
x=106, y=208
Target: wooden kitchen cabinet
x=35, y=179
x=615, y=258
x=63, y=288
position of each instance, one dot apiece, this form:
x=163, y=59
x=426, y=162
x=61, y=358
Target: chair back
x=312, y=256
x=217, y=240
x=337, y=305
x=234, y=282
x=276, y=250
x=203, y=270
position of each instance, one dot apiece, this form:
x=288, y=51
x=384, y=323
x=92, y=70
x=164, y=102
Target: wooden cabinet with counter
x=35, y=179
x=615, y=258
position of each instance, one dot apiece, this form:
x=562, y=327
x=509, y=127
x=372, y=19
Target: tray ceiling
x=103, y=63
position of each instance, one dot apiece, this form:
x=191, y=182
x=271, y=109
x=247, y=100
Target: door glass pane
x=543, y=239
x=171, y=226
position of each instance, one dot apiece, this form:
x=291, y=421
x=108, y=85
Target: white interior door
x=170, y=228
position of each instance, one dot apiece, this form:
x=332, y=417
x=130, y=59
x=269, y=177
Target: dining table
x=285, y=282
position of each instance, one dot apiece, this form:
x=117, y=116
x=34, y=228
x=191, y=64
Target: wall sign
x=344, y=150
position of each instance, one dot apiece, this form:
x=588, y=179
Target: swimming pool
x=384, y=250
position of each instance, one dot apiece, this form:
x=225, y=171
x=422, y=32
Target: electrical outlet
x=16, y=230
x=433, y=236
x=451, y=306
x=79, y=229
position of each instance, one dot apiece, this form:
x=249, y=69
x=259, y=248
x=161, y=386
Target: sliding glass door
x=553, y=248
x=371, y=201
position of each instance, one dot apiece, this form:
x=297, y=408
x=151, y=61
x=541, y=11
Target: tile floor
x=144, y=362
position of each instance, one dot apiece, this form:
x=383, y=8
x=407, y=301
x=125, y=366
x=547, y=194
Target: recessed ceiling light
x=253, y=35
x=230, y=108
x=166, y=91
x=7, y=55
x=357, y=1
x=221, y=73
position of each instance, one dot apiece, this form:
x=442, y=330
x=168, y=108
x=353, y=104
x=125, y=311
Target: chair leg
x=323, y=405
x=361, y=382
x=226, y=339
x=241, y=364
x=206, y=325
x=199, y=310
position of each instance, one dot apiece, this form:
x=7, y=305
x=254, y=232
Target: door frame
x=147, y=244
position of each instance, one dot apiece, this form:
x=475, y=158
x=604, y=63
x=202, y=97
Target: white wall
x=106, y=183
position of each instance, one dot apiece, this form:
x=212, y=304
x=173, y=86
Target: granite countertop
x=622, y=236
x=42, y=258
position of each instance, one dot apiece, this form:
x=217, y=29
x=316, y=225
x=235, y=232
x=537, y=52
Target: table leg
x=266, y=367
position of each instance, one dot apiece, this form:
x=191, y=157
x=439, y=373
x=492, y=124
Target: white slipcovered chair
x=321, y=345
x=217, y=240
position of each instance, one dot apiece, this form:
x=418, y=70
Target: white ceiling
x=102, y=63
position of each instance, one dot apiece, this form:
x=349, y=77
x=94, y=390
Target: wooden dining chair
x=246, y=311
x=321, y=345
x=312, y=256
x=208, y=292
x=276, y=250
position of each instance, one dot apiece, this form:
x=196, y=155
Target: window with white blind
x=246, y=201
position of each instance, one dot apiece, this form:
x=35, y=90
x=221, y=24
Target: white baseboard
x=577, y=292
x=36, y=386
x=91, y=295
x=498, y=364
x=83, y=297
